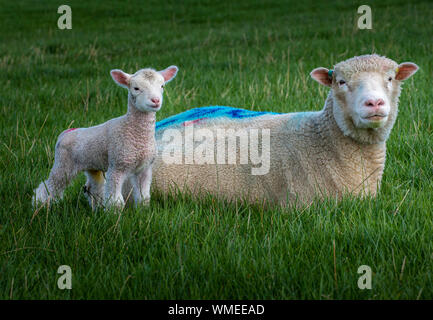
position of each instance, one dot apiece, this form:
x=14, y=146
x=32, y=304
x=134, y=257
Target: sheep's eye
x=341, y=82
x=136, y=88
x=162, y=86
x=390, y=79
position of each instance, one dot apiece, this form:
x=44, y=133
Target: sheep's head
x=365, y=93
x=146, y=86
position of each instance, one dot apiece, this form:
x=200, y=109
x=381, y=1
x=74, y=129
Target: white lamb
x=123, y=147
x=337, y=150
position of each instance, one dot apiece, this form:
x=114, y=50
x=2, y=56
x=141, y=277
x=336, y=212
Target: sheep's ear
x=321, y=75
x=405, y=70
x=169, y=73
x=120, y=77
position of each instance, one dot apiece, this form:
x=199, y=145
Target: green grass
x=250, y=54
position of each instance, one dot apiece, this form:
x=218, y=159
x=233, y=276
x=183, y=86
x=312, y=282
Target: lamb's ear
x=405, y=70
x=120, y=77
x=169, y=73
x=321, y=75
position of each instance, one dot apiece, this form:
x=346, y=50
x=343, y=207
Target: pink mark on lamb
x=69, y=130
x=188, y=123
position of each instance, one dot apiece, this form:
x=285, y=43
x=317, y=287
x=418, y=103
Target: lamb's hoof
x=40, y=197
x=37, y=203
x=117, y=205
x=143, y=203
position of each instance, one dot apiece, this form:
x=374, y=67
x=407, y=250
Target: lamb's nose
x=155, y=100
x=374, y=103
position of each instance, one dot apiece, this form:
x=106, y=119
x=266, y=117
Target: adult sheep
x=338, y=150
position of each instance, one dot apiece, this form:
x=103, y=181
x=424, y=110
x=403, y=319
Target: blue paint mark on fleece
x=211, y=112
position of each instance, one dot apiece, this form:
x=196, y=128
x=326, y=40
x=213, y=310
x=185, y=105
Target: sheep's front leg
x=113, y=187
x=141, y=186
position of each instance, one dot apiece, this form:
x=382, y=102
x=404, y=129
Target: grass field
x=248, y=54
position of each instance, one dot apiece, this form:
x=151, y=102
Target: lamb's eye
x=341, y=82
x=136, y=88
x=390, y=79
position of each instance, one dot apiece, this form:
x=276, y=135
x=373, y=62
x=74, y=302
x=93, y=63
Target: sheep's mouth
x=376, y=117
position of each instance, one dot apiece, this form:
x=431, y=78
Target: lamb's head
x=365, y=92
x=145, y=87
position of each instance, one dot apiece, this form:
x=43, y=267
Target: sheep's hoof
x=117, y=204
x=144, y=202
x=38, y=203
x=41, y=197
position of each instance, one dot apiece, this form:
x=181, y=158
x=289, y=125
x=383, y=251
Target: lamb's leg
x=127, y=191
x=113, y=187
x=61, y=174
x=94, y=188
x=141, y=186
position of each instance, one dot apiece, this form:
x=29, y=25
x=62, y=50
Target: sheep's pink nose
x=374, y=103
x=155, y=100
